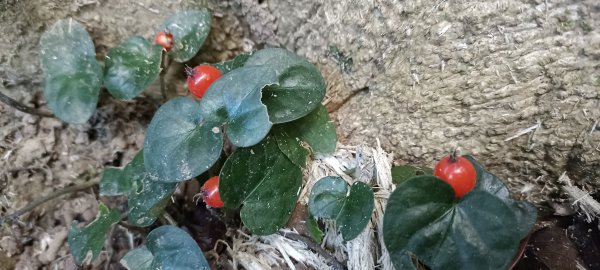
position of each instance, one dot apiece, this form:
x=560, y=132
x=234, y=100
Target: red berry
x=200, y=78
x=165, y=40
x=210, y=193
x=458, y=172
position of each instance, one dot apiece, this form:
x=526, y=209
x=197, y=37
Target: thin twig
x=164, y=67
x=51, y=196
x=315, y=248
x=22, y=107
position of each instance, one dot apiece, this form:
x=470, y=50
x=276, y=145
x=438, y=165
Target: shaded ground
x=429, y=76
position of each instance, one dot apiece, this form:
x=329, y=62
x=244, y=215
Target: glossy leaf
x=91, y=238
x=404, y=172
x=189, y=29
x=265, y=182
x=301, y=87
x=72, y=76
x=316, y=129
x=422, y=218
x=235, y=99
x=229, y=65
x=174, y=249
x=131, y=67
x=329, y=199
x=179, y=144
x=138, y=259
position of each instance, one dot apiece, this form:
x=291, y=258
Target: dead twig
x=315, y=248
x=51, y=196
x=22, y=107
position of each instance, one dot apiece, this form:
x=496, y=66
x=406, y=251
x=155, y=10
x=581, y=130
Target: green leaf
x=229, y=65
x=329, y=199
x=291, y=147
x=174, y=249
x=148, y=197
x=138, y=259
x=313, y=229
x=112, y=182
x=316, y=129
x=72, y=76
x=131, y=67
x=189, y=29
x=265, y=181
x=422, y=218
x=92, y=237
x=301, y=87
x=235, y=99
x=487, y=182
x=404, y=172
x=179, y=144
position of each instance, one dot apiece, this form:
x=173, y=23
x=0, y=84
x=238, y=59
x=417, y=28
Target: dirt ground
x=422, y=76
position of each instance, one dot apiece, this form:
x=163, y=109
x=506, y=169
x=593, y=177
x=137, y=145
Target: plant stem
x=164, y=67
x=315, y=248
x=51, y=196
x=22, y=107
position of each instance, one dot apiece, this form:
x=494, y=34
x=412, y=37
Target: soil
x=424, y=77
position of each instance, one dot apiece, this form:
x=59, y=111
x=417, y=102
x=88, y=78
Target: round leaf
x=189, y=29
x=477, y=233
x=131, y=67
x=235, y=99
x=316, y=129
x=72, y=76
x=291, y=147
x=265, y=181
x=179, y=145
x=174, y=249
x=329, y=199
x=301, y=87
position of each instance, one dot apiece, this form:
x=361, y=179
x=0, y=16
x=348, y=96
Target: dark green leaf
x=72, y=76
x=487, y=182
x=356, y=213
x=189, y=29
x=291, y=147
x=301, y=87
x=131, y=67
x=265, y=181
x=92, y=237
x=229, y=65
x=316, y=129
x=404, y=172
x=174, y=249
x=138, y=259
x=112, y=182
x=235, y=99
x=329, y=199
x=148, y=197
x=313, y=229
x=422, y=218
x=179, y=144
